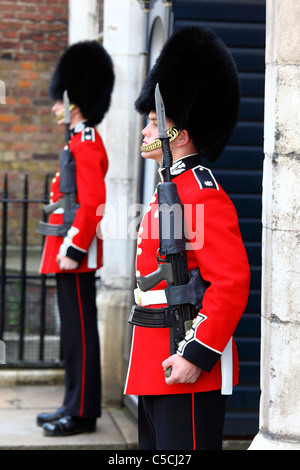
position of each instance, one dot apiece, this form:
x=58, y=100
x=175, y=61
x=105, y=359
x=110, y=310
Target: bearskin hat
x=198, y=81
x=85, y=70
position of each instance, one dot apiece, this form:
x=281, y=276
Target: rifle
x=67, y=185
x=185, y=289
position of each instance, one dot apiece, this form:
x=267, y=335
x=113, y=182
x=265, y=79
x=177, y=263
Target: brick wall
x=32, y=36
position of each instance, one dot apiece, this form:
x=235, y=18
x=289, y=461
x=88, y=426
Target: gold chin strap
x=172, y=134
x=61, y=115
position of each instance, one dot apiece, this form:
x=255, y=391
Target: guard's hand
x=65, y=263
x=183, y=371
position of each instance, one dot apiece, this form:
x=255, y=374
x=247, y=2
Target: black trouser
x=80, y=342
x=181, y=422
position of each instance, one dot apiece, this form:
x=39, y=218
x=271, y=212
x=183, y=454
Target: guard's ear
x=183, y=138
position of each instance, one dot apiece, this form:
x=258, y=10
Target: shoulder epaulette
x=88, y=134
x=205, y=178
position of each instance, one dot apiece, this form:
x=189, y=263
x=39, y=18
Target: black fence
x=29, y=319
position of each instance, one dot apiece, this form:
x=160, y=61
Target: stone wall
x=280, y=363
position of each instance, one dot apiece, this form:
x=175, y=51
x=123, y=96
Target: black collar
x=182, y=165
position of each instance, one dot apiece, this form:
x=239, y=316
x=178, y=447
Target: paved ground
x=19, y=405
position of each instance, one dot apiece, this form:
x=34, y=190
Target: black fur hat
x=199, y=84
x=85, y=70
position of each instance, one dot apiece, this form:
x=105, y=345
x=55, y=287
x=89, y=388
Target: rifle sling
x=190, y=293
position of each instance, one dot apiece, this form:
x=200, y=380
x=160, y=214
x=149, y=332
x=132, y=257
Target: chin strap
x=62, y=114
x=172, y=134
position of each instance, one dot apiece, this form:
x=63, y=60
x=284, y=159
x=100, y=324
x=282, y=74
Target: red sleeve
x=91, y=166
x=222, y=262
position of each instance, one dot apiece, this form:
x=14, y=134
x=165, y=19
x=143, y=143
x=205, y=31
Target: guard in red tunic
x=81, y=86
x=185, y=410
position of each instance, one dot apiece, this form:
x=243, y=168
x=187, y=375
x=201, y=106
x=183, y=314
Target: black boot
x=68, y=426
x=43, y=418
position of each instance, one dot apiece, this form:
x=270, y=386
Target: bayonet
x=161, y=114
x=66, y=101
x=167, y=159
x=67, y=115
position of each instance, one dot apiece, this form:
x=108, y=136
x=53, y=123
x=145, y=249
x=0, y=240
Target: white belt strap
x=92, y=254
x=151, y=297
x=226, y=369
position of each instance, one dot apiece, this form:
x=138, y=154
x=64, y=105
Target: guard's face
x=150, y=133
x=59, y=110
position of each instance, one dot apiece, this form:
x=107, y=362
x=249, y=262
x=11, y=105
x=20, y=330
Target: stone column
x=121, y=132
x=280, y=359
x=83, y=21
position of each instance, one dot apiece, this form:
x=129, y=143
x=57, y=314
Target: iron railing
x=29, y=321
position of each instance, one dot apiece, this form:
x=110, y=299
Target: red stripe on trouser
x=83, y=346
x=193, y=420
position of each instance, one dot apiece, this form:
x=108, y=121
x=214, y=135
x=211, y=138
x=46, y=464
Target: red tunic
x=81, y=242
x=219, y=253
